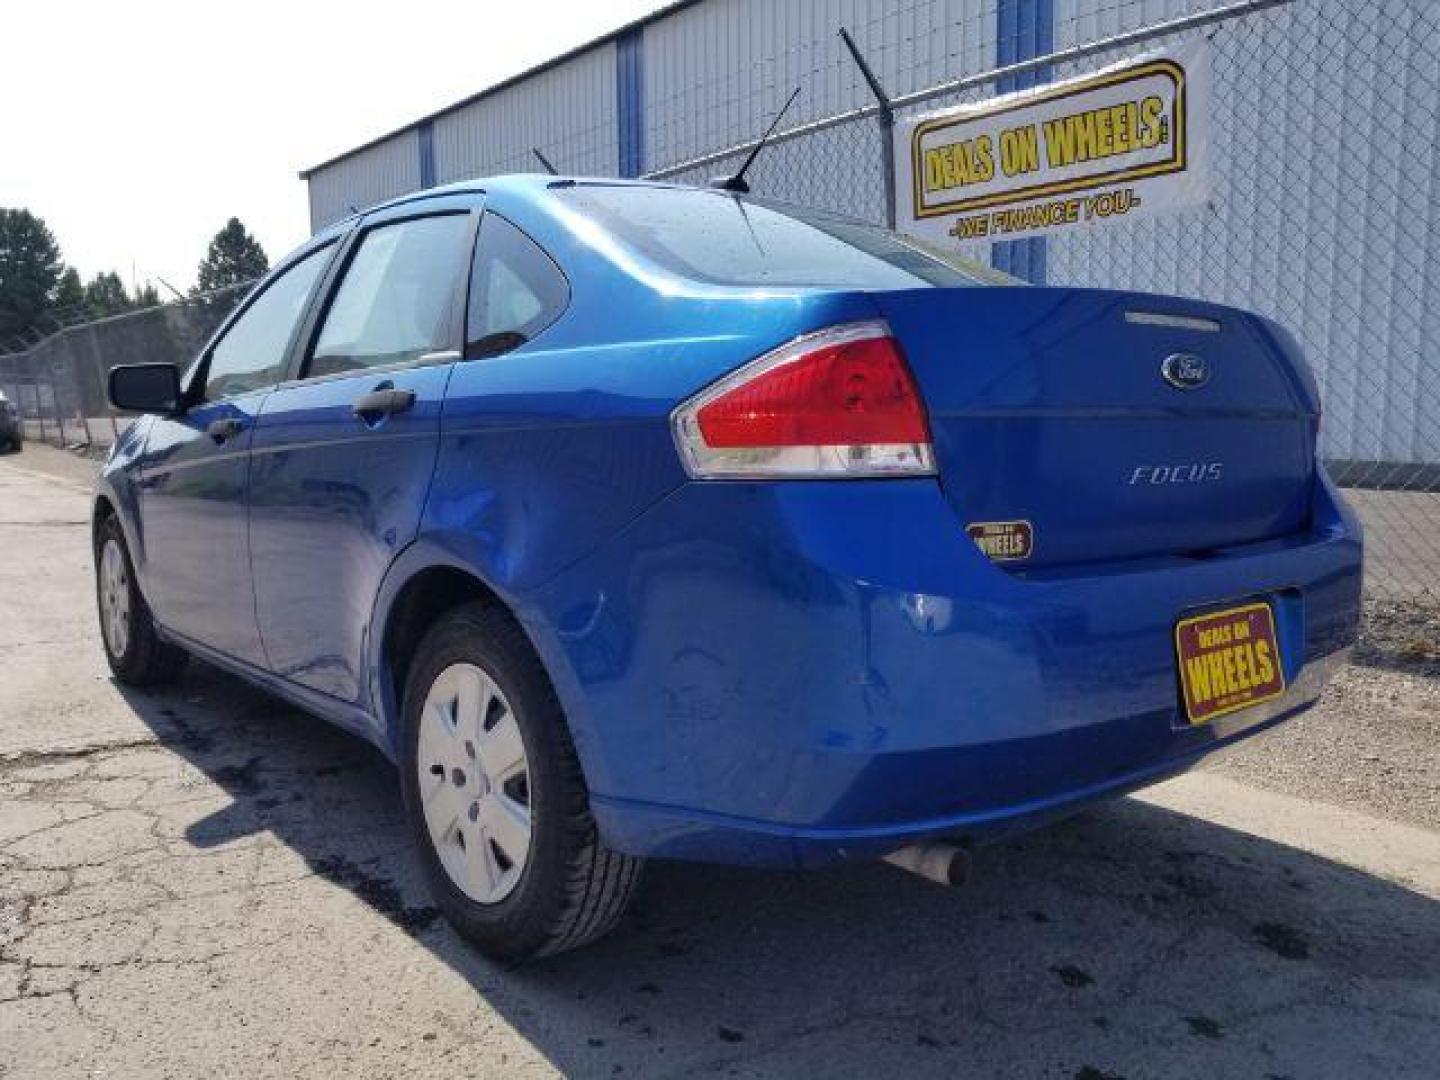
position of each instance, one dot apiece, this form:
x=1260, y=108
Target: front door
x=342, y=456
x=194, y=472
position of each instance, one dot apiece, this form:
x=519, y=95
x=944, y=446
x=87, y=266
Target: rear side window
x=723, y=239
x=251, y=355
x=396, y=301
x=516, y=290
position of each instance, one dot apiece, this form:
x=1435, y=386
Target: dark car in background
x=12, y=432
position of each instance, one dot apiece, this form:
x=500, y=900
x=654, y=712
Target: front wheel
x=135, y=651
x=495, y=796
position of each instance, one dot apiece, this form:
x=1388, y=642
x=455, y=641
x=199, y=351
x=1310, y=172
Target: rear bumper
x=689, y=834
x=805, y=673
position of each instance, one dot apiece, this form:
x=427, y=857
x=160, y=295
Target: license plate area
x=1228, y=660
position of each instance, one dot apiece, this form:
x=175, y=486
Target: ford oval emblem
x=1185, y=371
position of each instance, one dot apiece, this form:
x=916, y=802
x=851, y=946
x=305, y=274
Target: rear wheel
x=495, y=797
x=136, y=653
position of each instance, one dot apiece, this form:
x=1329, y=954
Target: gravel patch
x=1401, y=636
x=1373, y=742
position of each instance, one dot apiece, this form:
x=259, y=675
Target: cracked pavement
x=207, y=882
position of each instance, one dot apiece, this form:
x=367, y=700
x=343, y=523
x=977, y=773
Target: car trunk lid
x=1052, y=408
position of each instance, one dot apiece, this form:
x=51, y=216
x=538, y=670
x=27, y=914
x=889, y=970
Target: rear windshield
x=723, y=239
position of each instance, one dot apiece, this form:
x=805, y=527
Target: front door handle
x=224, y=429
x=384, y=402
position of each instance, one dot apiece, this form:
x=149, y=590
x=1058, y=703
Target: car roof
x=524, y=186
x=531, y=188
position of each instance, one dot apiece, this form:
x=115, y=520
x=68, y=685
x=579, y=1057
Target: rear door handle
x=224, y=429
x=386, y=402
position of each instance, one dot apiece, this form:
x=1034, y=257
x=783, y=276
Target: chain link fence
x=58, y=385
x=1324, y=209
x=1324, y=214
x=1324, y=218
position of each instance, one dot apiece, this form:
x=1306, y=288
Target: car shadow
x=1130, y=941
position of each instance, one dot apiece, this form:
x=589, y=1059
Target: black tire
x=572, y=888
x=146, y=659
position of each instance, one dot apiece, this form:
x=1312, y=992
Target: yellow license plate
x=1229, y=660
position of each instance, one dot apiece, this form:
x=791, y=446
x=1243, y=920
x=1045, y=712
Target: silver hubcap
x=114, y=598
x=474, y=783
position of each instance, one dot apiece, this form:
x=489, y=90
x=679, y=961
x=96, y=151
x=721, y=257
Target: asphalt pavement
x=206, y=882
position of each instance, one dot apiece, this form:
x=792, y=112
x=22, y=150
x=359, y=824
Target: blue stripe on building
x=630, y=100
x=426, y=138
x=1024, y=29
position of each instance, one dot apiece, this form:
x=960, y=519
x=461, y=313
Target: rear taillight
x=840, y=402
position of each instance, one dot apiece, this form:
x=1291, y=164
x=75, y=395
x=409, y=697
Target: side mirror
x=146, y=388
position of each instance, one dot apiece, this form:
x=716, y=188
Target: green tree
x=105, y=295
x=30, y=269
x=69, y=303
x=146, y=296
x=234, y=257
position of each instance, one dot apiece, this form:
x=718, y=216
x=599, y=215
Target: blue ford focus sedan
x=634, y=520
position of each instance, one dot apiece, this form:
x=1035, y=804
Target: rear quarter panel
x=548, y=451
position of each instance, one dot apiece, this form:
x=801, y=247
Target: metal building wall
x=567, y=111
x=377, y=173
x=1324, y=148
x=1090, y=20
x=716, y=73
x=713, y=74
x=1321, y=155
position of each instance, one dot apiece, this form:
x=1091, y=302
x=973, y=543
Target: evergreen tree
x=105, y=295
x=30, y=269
x=234, y=257
x=69, y=302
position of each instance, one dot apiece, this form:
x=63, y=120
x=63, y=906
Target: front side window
x=516, y=290
x=396, y=301
x=251, y=355
x=723, y=239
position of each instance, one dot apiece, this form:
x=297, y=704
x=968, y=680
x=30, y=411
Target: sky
x=136, y=130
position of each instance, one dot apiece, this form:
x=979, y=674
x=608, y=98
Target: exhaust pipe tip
x=938, y=861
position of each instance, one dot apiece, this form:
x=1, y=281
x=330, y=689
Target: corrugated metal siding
x=1325, y=213
x=567, y=111
x=1078, y=21
x=716, y=73
x=375, y=174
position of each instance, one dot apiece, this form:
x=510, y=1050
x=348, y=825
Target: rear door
x=343, y=454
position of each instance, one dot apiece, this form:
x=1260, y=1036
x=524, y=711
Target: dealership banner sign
x=1127, y=141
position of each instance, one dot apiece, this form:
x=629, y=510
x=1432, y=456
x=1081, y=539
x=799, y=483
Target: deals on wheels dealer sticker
x=1229, y=660
x=1003, y=541
x=1127, y=141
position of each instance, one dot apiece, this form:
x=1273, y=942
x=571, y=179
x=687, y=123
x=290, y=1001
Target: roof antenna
x=544, y=161
x=737, y=183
